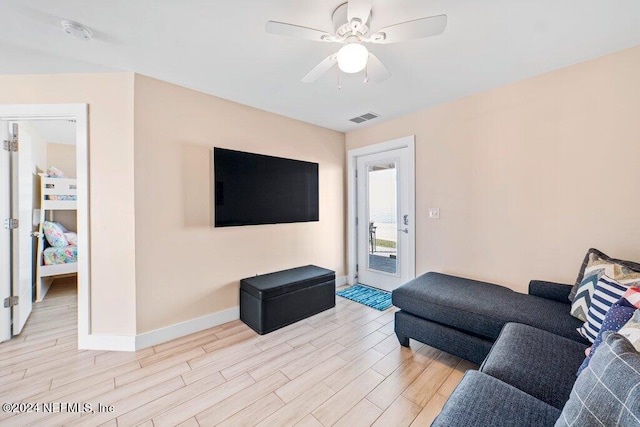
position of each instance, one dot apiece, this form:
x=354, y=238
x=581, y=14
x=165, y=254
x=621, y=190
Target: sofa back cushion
x=608, y=390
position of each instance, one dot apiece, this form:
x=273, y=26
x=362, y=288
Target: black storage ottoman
x=272, y=301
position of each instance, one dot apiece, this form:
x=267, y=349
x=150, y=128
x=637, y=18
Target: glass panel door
x=382, y=213
x=385, y=230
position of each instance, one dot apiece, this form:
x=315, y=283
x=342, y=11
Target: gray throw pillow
x=607, y=392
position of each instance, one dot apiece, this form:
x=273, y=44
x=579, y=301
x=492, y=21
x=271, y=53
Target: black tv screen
x=253, y=189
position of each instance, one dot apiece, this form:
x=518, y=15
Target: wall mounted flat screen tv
x=252, y=189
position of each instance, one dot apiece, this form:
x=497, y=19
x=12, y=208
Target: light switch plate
x=434, y=213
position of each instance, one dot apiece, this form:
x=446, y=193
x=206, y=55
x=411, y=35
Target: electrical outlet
x=434, y=213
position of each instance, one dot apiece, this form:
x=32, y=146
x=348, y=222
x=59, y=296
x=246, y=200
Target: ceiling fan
x=351, y=22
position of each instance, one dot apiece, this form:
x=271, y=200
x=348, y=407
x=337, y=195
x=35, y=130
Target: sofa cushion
x=597, y=260
x=481, y=308
x=607, y=393
x=481, y=400
x=440, y=336
x=537, y=362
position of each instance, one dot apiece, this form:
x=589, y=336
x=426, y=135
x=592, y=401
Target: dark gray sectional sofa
x=527, y=346
x=464, y=317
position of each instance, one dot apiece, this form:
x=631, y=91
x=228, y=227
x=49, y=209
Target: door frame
x=79, y=113
x=352, y=209
x=5, y=251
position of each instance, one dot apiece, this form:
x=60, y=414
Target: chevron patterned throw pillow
x=582, y=300
x=607, y=292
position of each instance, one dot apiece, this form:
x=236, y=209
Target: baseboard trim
x=107, y=342
x=181, y=329
x=168, y=333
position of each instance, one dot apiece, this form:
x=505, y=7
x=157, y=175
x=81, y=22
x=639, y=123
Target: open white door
x=78, y=113
x=5, y=235
x=22, y=241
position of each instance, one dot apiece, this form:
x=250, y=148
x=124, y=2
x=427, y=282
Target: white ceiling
x=221, y=48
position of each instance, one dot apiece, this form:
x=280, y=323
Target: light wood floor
x=342, y=367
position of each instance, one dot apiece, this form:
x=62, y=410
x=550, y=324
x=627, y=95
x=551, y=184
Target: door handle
x=404, y=230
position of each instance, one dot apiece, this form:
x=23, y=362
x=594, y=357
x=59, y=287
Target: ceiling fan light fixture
x=352, y=58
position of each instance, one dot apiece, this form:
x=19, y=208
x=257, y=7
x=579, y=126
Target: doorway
x=381, y=210
x=23, y=189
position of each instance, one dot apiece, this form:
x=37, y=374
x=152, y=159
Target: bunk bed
x=57, y=194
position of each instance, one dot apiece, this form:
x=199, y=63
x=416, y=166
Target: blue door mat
x=371, y=297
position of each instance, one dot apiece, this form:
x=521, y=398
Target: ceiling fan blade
x=291, y=30
x=326, y=64
x=376, y=70
x=360, y=9
x=416, y=29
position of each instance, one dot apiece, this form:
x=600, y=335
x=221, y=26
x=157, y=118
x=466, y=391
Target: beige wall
x=185, y=268
x=528, y=176
x=110, y=99
x=63, y=157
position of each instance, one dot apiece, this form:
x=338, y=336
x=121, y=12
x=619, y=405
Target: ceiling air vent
x=364, y=117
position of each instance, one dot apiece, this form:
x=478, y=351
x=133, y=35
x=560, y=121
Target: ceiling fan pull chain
x=338, y=77
x=366, y=73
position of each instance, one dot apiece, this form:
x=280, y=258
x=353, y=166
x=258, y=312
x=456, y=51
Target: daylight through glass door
x=382, y=213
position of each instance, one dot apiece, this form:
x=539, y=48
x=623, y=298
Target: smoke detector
x=76, y=30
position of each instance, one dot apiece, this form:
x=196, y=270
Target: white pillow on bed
x=54, y=234
x=54, y=172
x=72, y=238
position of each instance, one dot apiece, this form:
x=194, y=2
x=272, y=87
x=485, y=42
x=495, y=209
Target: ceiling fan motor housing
x=343, y=27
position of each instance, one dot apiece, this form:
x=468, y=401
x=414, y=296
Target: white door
x=385, y=219
x=5, y=234
x=23, y=183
